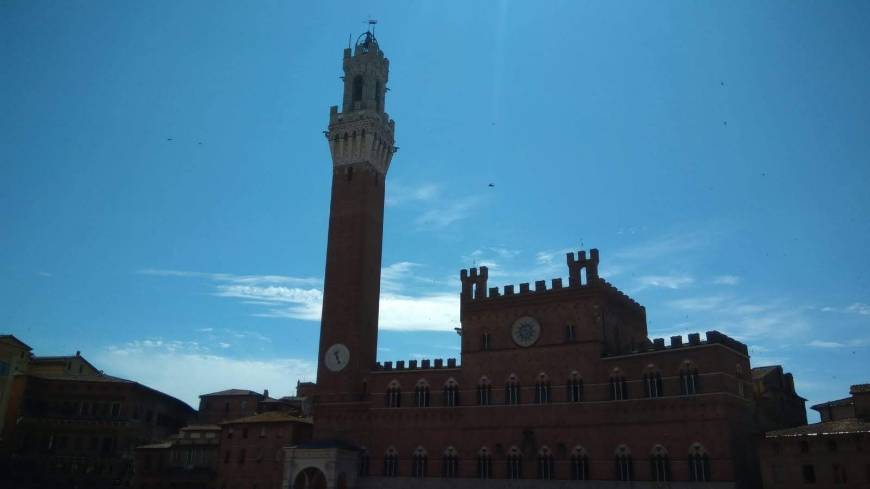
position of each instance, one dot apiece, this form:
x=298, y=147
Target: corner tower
x=362, y=146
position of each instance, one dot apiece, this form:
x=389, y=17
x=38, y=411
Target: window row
x=544, y=464
x=617, y=387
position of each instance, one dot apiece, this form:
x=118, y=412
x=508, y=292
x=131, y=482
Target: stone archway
x=310, y=478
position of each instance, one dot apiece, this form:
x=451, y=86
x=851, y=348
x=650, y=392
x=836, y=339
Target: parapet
x=582, y=273
x=713, y=337
x=474, y=283
x=424, y=364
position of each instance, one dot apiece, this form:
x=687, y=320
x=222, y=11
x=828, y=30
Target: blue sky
x=165, y=183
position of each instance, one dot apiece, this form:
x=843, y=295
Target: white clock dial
x=525, y=331
x=336, y=357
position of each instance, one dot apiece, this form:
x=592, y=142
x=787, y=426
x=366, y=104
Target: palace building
x=559, y=384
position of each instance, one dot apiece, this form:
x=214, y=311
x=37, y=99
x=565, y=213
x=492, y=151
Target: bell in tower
x=362, y=131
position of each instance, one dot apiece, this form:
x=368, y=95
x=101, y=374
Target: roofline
x=672, y=350
x=111, y=378
x=831, y=433
x=13, y=338
x=221, y=394
x=822, y=405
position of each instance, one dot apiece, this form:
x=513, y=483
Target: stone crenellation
x=582, y=273
x=425, y=364
x=694, y=339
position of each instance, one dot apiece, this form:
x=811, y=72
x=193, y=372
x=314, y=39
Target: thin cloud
x=274, y=296
x=665, y=245
x=858, y=308
x=441, y=217
x=228, y=277
x=191, y=366
x=435, y=312
x=726, y=280
x=398, y=193
x=664, y=281
x=826, y=344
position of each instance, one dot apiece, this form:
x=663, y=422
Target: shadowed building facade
x=71, y=425
x=558, y=380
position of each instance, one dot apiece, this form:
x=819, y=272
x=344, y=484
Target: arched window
x=542, y=389
x=421, y=394
x=688, y=378
x=450, y=464
x=357, y=89
x=623, y=464
x=393, y=399
x=484, y=392
x=391, y=462
x=364, y=460
x=570, y=333
x=512, y=390
x=699, y=463
x=652, y=381
x=545, y=463
x=659, y=465
x=740, y=380
x=485, y=341
x=618, y=389
x=514, y=464
x=378, y=96
x=451, y=393
x=574, y=387
x=579, y=464
x=484, y=464
x=418, y=468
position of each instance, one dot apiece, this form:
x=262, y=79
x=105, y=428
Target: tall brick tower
x=361, y=142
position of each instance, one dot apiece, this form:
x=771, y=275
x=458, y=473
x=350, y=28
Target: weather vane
x=372, y=24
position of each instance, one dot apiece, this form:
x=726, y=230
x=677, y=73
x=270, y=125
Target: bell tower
x=362, y=145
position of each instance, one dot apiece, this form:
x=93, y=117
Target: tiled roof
x=269, y=417
x=839, y=427
x=233, y=392
x=846, y=401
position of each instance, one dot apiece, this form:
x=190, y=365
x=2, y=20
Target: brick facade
x=556, y=381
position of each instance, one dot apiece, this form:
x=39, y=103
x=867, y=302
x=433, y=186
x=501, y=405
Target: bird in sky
x=491, y=185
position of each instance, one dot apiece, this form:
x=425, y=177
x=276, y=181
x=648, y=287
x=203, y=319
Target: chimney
x=265, y=392
x=78, y=353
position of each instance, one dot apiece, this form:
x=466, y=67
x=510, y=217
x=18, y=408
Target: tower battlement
x=694, y=339
x=582, y=274
x=362, y=132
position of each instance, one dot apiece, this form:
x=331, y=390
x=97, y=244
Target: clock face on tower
x=525, y=331
x=336, y=357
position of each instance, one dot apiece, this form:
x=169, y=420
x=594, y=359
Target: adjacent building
x=776, y=402
x=241, y=452
x=69, y=424
x=252, y=449
x=229, y=404
x=14, y=360
x=188, y=460
x=834, y=452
